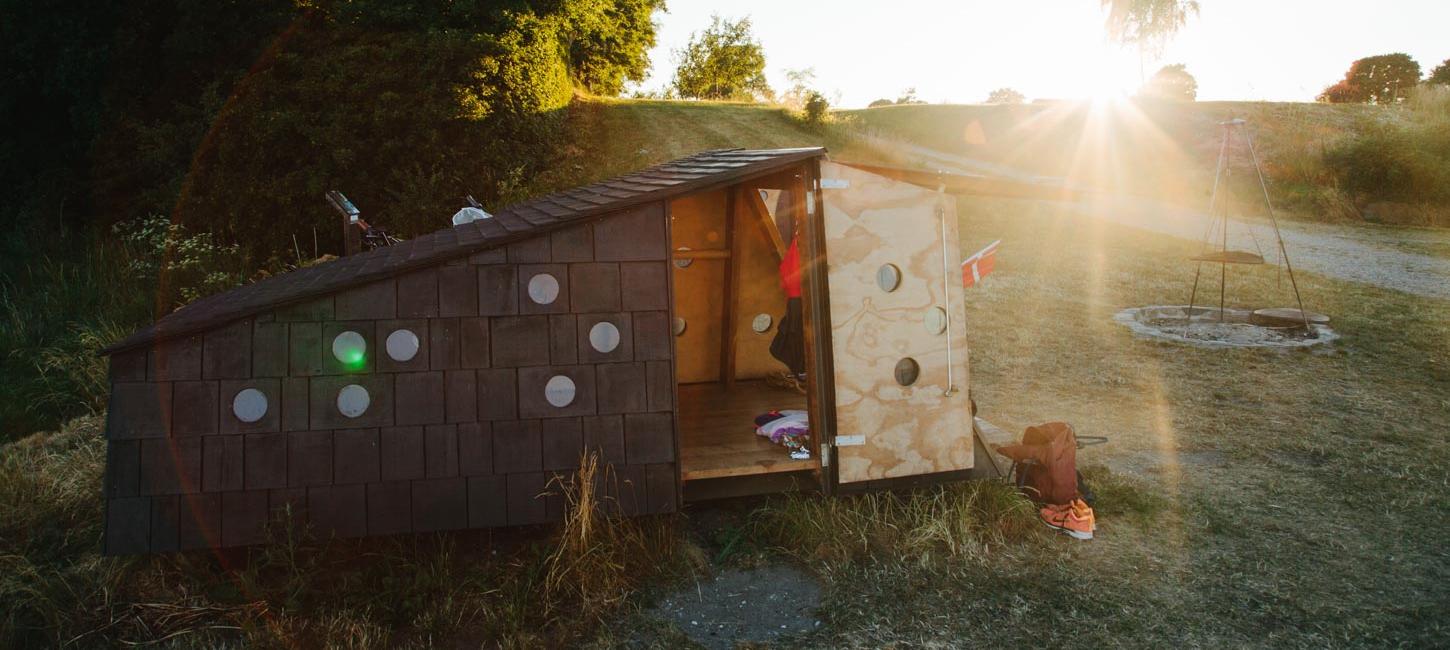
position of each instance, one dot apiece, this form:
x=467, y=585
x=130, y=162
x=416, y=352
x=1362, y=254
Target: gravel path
x=1413, y=260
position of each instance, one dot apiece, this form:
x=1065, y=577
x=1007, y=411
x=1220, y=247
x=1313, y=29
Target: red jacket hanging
x=790, y=271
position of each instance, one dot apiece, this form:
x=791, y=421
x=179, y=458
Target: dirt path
x=1413, y=260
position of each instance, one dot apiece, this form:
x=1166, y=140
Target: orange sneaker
x=1084, y=511
x=1063, y=518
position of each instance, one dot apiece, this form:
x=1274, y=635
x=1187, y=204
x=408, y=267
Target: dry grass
x=528, y=588
x=1295, y=498
x=600, y=558
x=962, y=522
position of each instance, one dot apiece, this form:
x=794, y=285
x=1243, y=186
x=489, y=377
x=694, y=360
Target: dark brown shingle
x=511, y=224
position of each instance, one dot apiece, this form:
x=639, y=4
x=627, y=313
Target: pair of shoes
x=1065, y=518
x=1084, y=511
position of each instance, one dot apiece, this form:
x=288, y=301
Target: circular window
x=936, y=320
x=679, y=326
x=402, y=345
x=761, y=324
x=907, y=371
x=683, y=262
x=543, y=289
x=888, y=277
x=353, y=400
x=350, y=348
x=249, y=405
x=604, y=337
x=559, y=391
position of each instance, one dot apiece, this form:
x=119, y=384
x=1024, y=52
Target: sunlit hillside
x=1169, y=149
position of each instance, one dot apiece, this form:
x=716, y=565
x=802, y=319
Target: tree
x=800, y=87
x=908, y=96
x=1147, y=24
x=881, y=102
x=1005, y=96
x=1172, y=82
x=608, y=44
x=1440, y=75
x=1382, y=79
x=723, y=62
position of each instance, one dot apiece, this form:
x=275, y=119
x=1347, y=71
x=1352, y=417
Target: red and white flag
x=981, y=263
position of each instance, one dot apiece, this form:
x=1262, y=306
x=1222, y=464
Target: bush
x=1409, y=164
x=816, y=108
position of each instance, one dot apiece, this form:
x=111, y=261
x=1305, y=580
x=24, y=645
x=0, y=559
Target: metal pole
x=1212, y=201
x=1283, y=252
x=1223, y=263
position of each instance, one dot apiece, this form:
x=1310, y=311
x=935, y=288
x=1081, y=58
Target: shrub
x=816, y=108
x=1394, y=163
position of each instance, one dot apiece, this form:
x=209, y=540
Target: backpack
x=1045, y=463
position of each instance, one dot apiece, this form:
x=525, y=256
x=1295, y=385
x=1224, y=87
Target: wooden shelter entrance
x=886, y=380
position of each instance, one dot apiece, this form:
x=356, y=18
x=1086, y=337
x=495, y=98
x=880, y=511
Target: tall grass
x=56, y=310
x=961, y=521
x=531, y=588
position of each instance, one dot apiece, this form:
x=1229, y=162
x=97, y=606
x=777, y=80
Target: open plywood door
x=877, y=228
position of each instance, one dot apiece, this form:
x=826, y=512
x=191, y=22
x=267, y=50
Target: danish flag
x=981, y=263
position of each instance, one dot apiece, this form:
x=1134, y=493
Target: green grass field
x=1247, y=497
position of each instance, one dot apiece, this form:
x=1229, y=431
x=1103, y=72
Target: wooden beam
x=709, y=254
x=732, y=291
x=762, y=217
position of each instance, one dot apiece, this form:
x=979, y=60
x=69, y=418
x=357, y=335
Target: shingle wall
x=461, y=435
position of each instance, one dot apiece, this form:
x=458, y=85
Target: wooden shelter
x=444, y=382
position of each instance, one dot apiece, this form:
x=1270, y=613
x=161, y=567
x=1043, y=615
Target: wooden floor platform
x=717, y=430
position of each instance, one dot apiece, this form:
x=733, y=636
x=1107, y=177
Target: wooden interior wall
x=699, y=224
x=760, y=292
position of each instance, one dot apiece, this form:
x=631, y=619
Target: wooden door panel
x=883, y=429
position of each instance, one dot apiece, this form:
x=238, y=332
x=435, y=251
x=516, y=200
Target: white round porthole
x=402, y=345
x=761, y=324
x=888, y=277
x=559, y=391
x=683, y=262
x=679, y=326
x=604, y=337
x=543, y=289
x=353, y=400
x=936, y=320
x=350, y=348
x=249, y=405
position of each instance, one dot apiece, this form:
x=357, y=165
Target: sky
x=959, y=51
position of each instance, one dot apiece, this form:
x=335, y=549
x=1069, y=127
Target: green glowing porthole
x=350, y=349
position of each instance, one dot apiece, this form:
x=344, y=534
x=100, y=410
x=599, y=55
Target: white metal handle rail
x=946, y=285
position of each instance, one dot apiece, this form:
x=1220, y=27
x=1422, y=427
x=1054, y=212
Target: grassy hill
x=1324, y=162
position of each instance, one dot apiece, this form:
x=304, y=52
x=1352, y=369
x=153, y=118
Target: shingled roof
x=513, y=223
